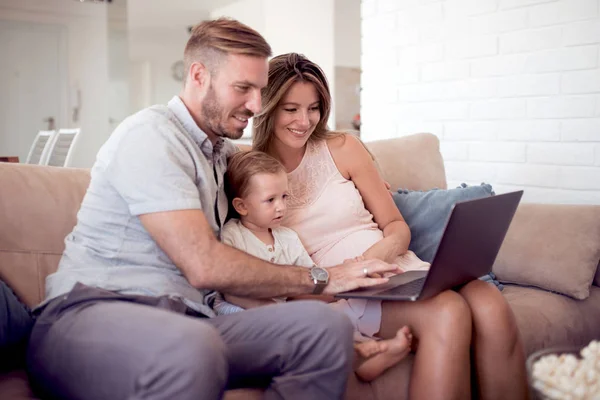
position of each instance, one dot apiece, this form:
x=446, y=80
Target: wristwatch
x=320, y=277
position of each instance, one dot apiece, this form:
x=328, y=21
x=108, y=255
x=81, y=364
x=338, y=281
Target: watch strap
x=319, y=287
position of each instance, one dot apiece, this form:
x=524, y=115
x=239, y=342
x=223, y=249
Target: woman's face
x=297, y=115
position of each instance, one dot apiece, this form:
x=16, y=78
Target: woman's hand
x=354, y=274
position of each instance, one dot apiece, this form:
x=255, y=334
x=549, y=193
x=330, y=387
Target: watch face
x=320, y=274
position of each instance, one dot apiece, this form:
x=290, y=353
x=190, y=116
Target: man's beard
x=212, y=112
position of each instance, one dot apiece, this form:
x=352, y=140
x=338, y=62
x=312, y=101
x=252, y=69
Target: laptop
x=470, y=243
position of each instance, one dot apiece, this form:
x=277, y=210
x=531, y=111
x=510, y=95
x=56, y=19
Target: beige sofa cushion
x=38, y=208
x=410, y=162
x=554, y=247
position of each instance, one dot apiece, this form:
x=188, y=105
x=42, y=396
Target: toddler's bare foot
x=396, y=349
x=370, y=348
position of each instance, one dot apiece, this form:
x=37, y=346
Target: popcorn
x=567, y=376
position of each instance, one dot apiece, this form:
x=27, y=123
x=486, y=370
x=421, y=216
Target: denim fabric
x=426, y=214
x=222, y=307
x=15, y=326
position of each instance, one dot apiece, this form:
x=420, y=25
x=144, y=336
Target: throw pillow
x=426, y=213
x=553, y=247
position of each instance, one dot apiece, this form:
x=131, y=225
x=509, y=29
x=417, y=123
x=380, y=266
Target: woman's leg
x=499, y=357
x=442, y=328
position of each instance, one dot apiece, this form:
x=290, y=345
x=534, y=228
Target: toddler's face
x=265, y=203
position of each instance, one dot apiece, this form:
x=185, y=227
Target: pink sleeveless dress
x=329, y=215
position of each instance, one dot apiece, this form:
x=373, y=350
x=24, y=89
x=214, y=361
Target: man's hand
x=355, y=274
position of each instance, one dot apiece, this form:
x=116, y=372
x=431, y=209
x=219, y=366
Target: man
x=124, y=315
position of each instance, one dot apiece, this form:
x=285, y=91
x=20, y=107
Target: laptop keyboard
x=410, y=288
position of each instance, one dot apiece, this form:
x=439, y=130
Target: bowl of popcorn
x=565, y=373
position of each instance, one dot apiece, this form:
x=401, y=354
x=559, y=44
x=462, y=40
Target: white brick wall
x=511, y=88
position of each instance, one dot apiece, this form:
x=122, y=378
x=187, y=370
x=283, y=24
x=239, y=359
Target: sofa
x=548, y=262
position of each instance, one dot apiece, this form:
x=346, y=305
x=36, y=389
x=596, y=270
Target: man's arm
x=186, y=237
x=188, y=240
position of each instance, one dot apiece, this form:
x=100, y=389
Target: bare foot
x=370, y=348
x=410, y=262
x=395, y=350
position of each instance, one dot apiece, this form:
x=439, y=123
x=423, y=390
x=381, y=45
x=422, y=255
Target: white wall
x=88, y=49
x=157, y=37
x=87, y=67
x=249, y=12
x=287, y=27
x=347, y=33
x=511, y=87
x=158, y=49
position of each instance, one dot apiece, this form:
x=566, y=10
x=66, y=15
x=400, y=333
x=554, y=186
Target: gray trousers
x=94, y=344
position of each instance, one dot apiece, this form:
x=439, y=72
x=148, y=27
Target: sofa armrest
x=552, y=246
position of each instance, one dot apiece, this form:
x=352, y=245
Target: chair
x=61, y=149
x=38, y=153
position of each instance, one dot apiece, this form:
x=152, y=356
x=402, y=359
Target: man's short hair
x=211, y=40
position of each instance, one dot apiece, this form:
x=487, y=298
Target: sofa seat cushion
x=36, y=215
x=14, y=385
x=548, y=319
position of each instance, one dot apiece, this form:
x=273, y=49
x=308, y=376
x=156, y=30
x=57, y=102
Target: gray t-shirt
x=156, y=160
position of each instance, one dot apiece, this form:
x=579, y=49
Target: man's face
x=233, y=95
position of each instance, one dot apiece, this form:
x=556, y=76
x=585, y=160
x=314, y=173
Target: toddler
x=257, y=185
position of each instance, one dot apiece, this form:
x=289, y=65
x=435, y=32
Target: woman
x=340, y=208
